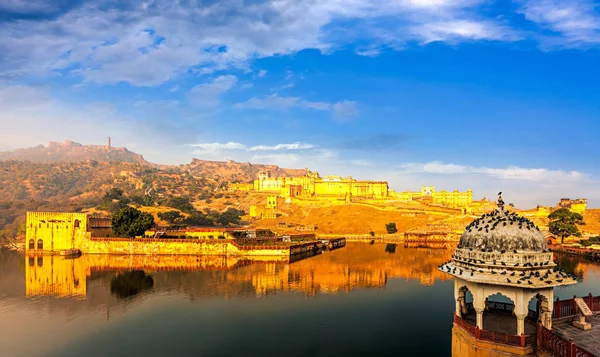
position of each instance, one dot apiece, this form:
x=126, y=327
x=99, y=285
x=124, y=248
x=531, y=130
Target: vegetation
x=131, y=222
x=590, y=241
x=372, y=233
x=391, y=228
x=563, y=223
x=390, y=248
x=172, y=217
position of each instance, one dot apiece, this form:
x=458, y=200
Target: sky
x=480, y=94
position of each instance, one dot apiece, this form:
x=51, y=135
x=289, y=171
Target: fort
x=339, y=190
x=49, y=233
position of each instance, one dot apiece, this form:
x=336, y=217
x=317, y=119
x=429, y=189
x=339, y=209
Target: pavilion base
x=582, y=325
x=465, y=345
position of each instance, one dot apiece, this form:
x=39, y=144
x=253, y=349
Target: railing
x=557, y=346
x=566, y=308
x=495, y=337
x=500, y=307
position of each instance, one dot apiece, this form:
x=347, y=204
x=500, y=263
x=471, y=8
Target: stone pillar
x=479, y=318
x=520, y=324
x=459, y=306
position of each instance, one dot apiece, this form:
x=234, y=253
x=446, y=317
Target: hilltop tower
x=108, y=144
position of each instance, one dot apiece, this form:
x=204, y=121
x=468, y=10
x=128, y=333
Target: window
x=76, y=224
x=40, y=244
x=31, y=244
x=31, y=261
x=40, y=261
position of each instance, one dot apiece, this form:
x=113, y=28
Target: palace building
x=312, y=185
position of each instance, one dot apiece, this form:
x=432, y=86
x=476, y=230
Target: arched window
x=40, y=245
x=40, y=261
x=31, y=261
x=76, y=223
x=31, y=244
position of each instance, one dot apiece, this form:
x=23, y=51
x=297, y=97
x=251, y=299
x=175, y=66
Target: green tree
x=198, y=219
x=181, y=203
x=230, y=216
x=563, y=223
x=113, y=194
x=391, y=228
x=171, y=217
x=130, y=222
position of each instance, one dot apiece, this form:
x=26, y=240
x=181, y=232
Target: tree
x=563, y=223
x=113, y=194
x=198, y=219
x=230, y=216
x=130, y=222
x=171, y=217
x=391, y=228
x=181, y=203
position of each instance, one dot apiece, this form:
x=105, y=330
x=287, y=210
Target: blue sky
x=487, y=95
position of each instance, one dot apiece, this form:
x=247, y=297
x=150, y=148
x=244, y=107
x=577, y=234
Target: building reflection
x=357, y=266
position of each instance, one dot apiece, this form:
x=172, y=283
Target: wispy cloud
x=342, y=111
x=573, y=23
x=208, y=95
x=508, y=173
x=214, y=147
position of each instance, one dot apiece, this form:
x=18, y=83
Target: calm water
x=356, y=301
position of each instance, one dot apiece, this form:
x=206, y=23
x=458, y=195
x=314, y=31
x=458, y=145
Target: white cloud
x=341, y=111
x=213, y=148
x=508, y=173
x=575, y=23
x=216, y=147
x=454, y=30
x=262, y=73
x=150, y=43
x=279, y=147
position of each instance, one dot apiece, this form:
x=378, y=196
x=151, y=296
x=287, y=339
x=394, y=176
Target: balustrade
x=493, y=336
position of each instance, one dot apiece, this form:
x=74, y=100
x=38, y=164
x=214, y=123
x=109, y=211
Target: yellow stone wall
x=55, y=230
x=579, y=207
x=464, y=345
x=429, y=195
x=209, y=235
x=241, y=187
x=313, y=185
x=172, y=247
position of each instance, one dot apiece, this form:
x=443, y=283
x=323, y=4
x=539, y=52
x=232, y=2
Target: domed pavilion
x=502, y=253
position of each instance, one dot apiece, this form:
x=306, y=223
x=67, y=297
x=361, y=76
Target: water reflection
x=130, y=283
x=375, y=302
x=354, y=267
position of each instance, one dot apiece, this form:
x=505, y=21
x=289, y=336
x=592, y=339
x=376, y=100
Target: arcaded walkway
x=504, y=323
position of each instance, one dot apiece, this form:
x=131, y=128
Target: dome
x=503, y=231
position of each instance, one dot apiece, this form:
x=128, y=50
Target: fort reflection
x=357, y=266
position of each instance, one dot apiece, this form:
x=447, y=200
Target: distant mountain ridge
x=70, y=151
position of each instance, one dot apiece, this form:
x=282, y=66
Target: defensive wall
x=52, y=232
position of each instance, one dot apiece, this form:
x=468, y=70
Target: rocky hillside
x=73, y=177
x=70, y=151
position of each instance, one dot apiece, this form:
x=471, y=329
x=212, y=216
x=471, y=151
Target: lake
x=355, y=301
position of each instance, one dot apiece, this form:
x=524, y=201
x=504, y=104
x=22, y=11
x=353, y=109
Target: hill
x=73, y=177
x=70, y=151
